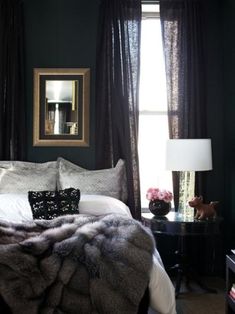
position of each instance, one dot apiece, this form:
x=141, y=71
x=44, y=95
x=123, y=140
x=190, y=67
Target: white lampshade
x=188, y=155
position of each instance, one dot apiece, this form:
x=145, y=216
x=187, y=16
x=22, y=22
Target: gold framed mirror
x=61, y=107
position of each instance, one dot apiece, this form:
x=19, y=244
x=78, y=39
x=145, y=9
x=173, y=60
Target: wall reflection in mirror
x=61, y=107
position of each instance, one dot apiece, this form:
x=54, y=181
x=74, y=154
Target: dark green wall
x=60, y=33
x=228, y=45
x=220, y=56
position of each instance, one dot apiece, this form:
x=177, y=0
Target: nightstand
x=174, y=224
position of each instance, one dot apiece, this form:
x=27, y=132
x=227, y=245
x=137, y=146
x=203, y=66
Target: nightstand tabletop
x=176, y=224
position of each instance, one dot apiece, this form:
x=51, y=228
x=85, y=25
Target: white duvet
x=16, y=208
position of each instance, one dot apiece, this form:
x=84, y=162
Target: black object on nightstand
x=175, y=224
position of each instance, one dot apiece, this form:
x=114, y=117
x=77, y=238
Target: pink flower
x=158, y=194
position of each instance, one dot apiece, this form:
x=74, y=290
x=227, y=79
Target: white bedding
x=16, y=208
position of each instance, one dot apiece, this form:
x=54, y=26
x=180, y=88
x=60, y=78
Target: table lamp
x=188, y=156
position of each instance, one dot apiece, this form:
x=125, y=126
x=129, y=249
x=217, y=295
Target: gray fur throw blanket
x=75, y=264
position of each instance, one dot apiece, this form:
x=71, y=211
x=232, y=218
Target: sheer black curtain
x=12, y=104
x=182, y=32
x=117, y=80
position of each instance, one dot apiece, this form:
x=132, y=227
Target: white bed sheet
x=161, y=289
x=16, y=208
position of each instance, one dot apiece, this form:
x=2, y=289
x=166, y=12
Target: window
x=153, y=122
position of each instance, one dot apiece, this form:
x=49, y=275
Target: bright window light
x=153, y=122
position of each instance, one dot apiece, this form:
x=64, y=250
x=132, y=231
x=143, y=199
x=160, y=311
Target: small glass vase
x=159, y=207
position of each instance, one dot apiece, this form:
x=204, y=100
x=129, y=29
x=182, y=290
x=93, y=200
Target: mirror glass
x=61, y=107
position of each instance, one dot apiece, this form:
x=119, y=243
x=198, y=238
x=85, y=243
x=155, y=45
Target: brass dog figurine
x=203, y=211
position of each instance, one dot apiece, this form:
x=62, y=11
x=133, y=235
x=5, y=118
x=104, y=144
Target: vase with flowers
x=159, y=201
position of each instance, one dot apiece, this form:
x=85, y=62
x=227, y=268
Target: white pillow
x=109, y=182
x=101, y=205
x=16, y=208
x=20, y=176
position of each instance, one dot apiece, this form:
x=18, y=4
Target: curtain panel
x=12, y=104
x=117, y=83
x=183, y=43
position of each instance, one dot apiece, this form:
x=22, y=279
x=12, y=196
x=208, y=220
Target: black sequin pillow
x=51, y=204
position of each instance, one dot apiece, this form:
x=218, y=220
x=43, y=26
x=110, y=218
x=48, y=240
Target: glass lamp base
x=187, y=212
x=187, y=184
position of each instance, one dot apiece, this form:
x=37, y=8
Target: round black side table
x=175, y=224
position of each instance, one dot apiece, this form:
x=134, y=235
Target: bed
x=39, y=258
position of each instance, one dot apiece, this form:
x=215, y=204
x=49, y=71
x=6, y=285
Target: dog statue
x=203, y=211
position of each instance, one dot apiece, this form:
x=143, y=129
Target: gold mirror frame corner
x=85, y=74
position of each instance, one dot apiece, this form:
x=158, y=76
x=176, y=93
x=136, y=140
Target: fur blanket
x=75, y=264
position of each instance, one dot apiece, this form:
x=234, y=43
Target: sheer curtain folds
x=182, y=33
x=117, y=82
x=12, y=104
